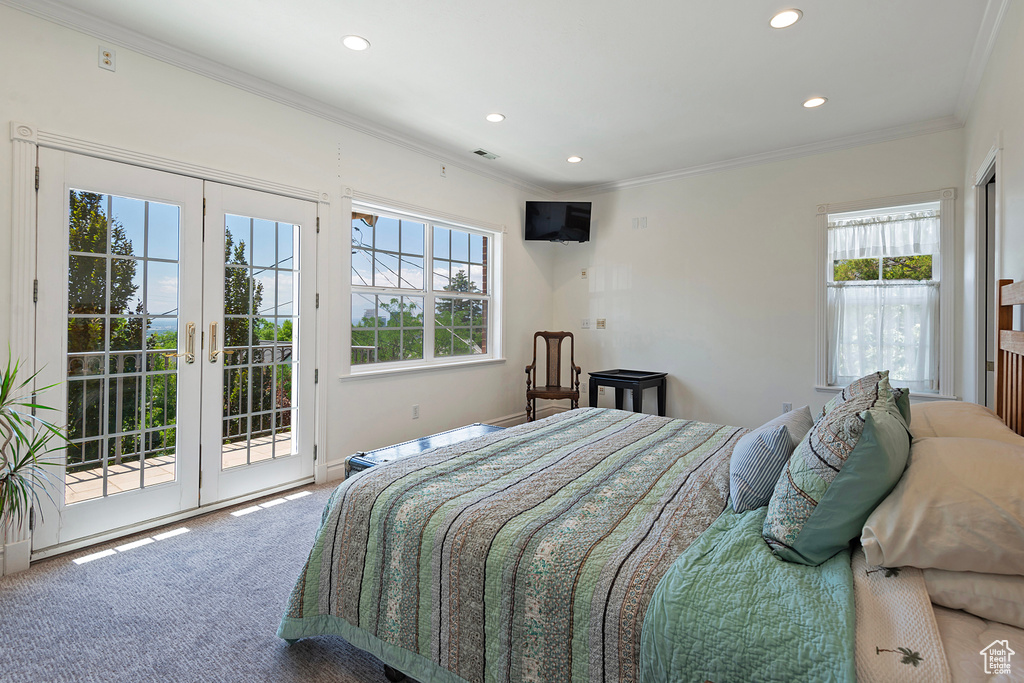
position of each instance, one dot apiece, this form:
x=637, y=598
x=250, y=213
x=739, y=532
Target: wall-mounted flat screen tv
x=558, y=221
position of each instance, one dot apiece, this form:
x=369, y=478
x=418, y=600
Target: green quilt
x=729, y=610
x=529, y=554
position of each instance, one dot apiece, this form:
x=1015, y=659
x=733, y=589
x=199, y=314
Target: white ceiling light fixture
x=357, y=43
x=786, y=18
x=574, y=159
x=495, y=117
x=815, y=102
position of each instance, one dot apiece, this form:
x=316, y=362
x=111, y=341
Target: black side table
x=363, y=460
x=634, y=380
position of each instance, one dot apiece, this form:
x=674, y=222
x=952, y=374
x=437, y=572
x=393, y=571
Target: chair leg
x=529, y=411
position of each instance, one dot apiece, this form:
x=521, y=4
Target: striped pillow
x=757, y=461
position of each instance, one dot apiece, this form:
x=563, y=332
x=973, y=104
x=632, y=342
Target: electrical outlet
x=585, y=324
x=583, y=274
x=107, y=59
x=786, y=407
x=444, y=171
x=416, y=412
x=600, y=323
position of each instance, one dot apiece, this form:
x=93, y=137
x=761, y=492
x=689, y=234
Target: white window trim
x=947, y=277
x=403, y=211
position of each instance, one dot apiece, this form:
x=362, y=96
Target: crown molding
x=81, y=22
x=836, y=144
x=76, y=20
x=995, y=11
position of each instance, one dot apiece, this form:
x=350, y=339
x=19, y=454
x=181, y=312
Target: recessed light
x=574, y=159
x=815, y=102
x=495, y=118
x=786, y=18
x=357, y=43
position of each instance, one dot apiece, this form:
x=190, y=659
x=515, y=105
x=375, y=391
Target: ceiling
x=636, y=89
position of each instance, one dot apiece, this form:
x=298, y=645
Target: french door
x=179, y=341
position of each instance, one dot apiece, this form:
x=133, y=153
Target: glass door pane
x=261, y=286
x=258, y=364
x=122, y=337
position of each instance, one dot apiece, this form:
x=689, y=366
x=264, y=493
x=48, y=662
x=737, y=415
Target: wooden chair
x=552, y=389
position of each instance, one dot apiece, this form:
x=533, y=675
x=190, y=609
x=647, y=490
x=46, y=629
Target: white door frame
x=218, y=484
x=26, y=139
x=64, y=172
x=991, y=165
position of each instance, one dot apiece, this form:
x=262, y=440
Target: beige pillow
x=997, y=597
x=958, y=418
x=958, y=506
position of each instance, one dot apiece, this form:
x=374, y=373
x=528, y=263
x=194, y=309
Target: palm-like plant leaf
x=25, y=443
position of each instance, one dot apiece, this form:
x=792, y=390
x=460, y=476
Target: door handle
x=213, y=344
x=190, y=345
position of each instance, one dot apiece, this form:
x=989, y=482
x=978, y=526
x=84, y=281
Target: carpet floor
x=200, y=606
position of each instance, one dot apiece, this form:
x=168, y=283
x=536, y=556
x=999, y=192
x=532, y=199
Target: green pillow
x=867, y=383
x=849, y=461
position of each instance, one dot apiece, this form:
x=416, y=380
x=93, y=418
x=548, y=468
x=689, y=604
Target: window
x=421, y=290
x=886, y=301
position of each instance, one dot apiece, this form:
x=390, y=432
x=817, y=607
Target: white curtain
x=900, y=234
x=885, y=325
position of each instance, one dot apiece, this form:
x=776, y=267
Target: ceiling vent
x=485, y=154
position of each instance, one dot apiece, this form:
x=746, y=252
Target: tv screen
x=558, y=221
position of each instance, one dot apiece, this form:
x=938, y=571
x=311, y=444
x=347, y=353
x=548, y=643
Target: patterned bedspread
x=530, y=554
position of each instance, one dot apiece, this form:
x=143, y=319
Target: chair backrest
x=553, y=362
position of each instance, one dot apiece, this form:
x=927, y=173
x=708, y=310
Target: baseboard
x=520, y=418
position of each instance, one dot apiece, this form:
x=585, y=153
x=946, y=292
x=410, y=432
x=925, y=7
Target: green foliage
x=845, y=270
x=395, y=332
x=25, y=442
x=460, y=324
x=893, y=268
x=907, y=267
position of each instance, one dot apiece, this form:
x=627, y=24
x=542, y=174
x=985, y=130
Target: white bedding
x=965, y=635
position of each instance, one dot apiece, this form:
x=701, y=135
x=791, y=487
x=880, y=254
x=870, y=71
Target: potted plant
x=25, y=442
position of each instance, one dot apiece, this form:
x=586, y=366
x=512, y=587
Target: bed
x=602, y=545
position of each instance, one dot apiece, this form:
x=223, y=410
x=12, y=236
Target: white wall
x=719, y=290
x=997, y=118
x=51, y=81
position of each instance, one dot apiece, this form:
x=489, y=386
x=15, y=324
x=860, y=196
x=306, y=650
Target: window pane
x=364, y=310
x=412, y=238
x=362, y=267
x=87, y=284
x=476, y=248
x=460, y=245
x=87, y=224
x=441, y=278
x=907, y=267
x=412, y=345
x=385, y=234
x=845, y=270
x=264, y=243
x=127, y=226
x=442, y=239
x=389, y=345
x=412, y=314
x=385, y=270
x=237, y=240
x=162, y=231
x=412, y=272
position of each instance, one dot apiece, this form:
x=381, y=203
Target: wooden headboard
x=1010, y=358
